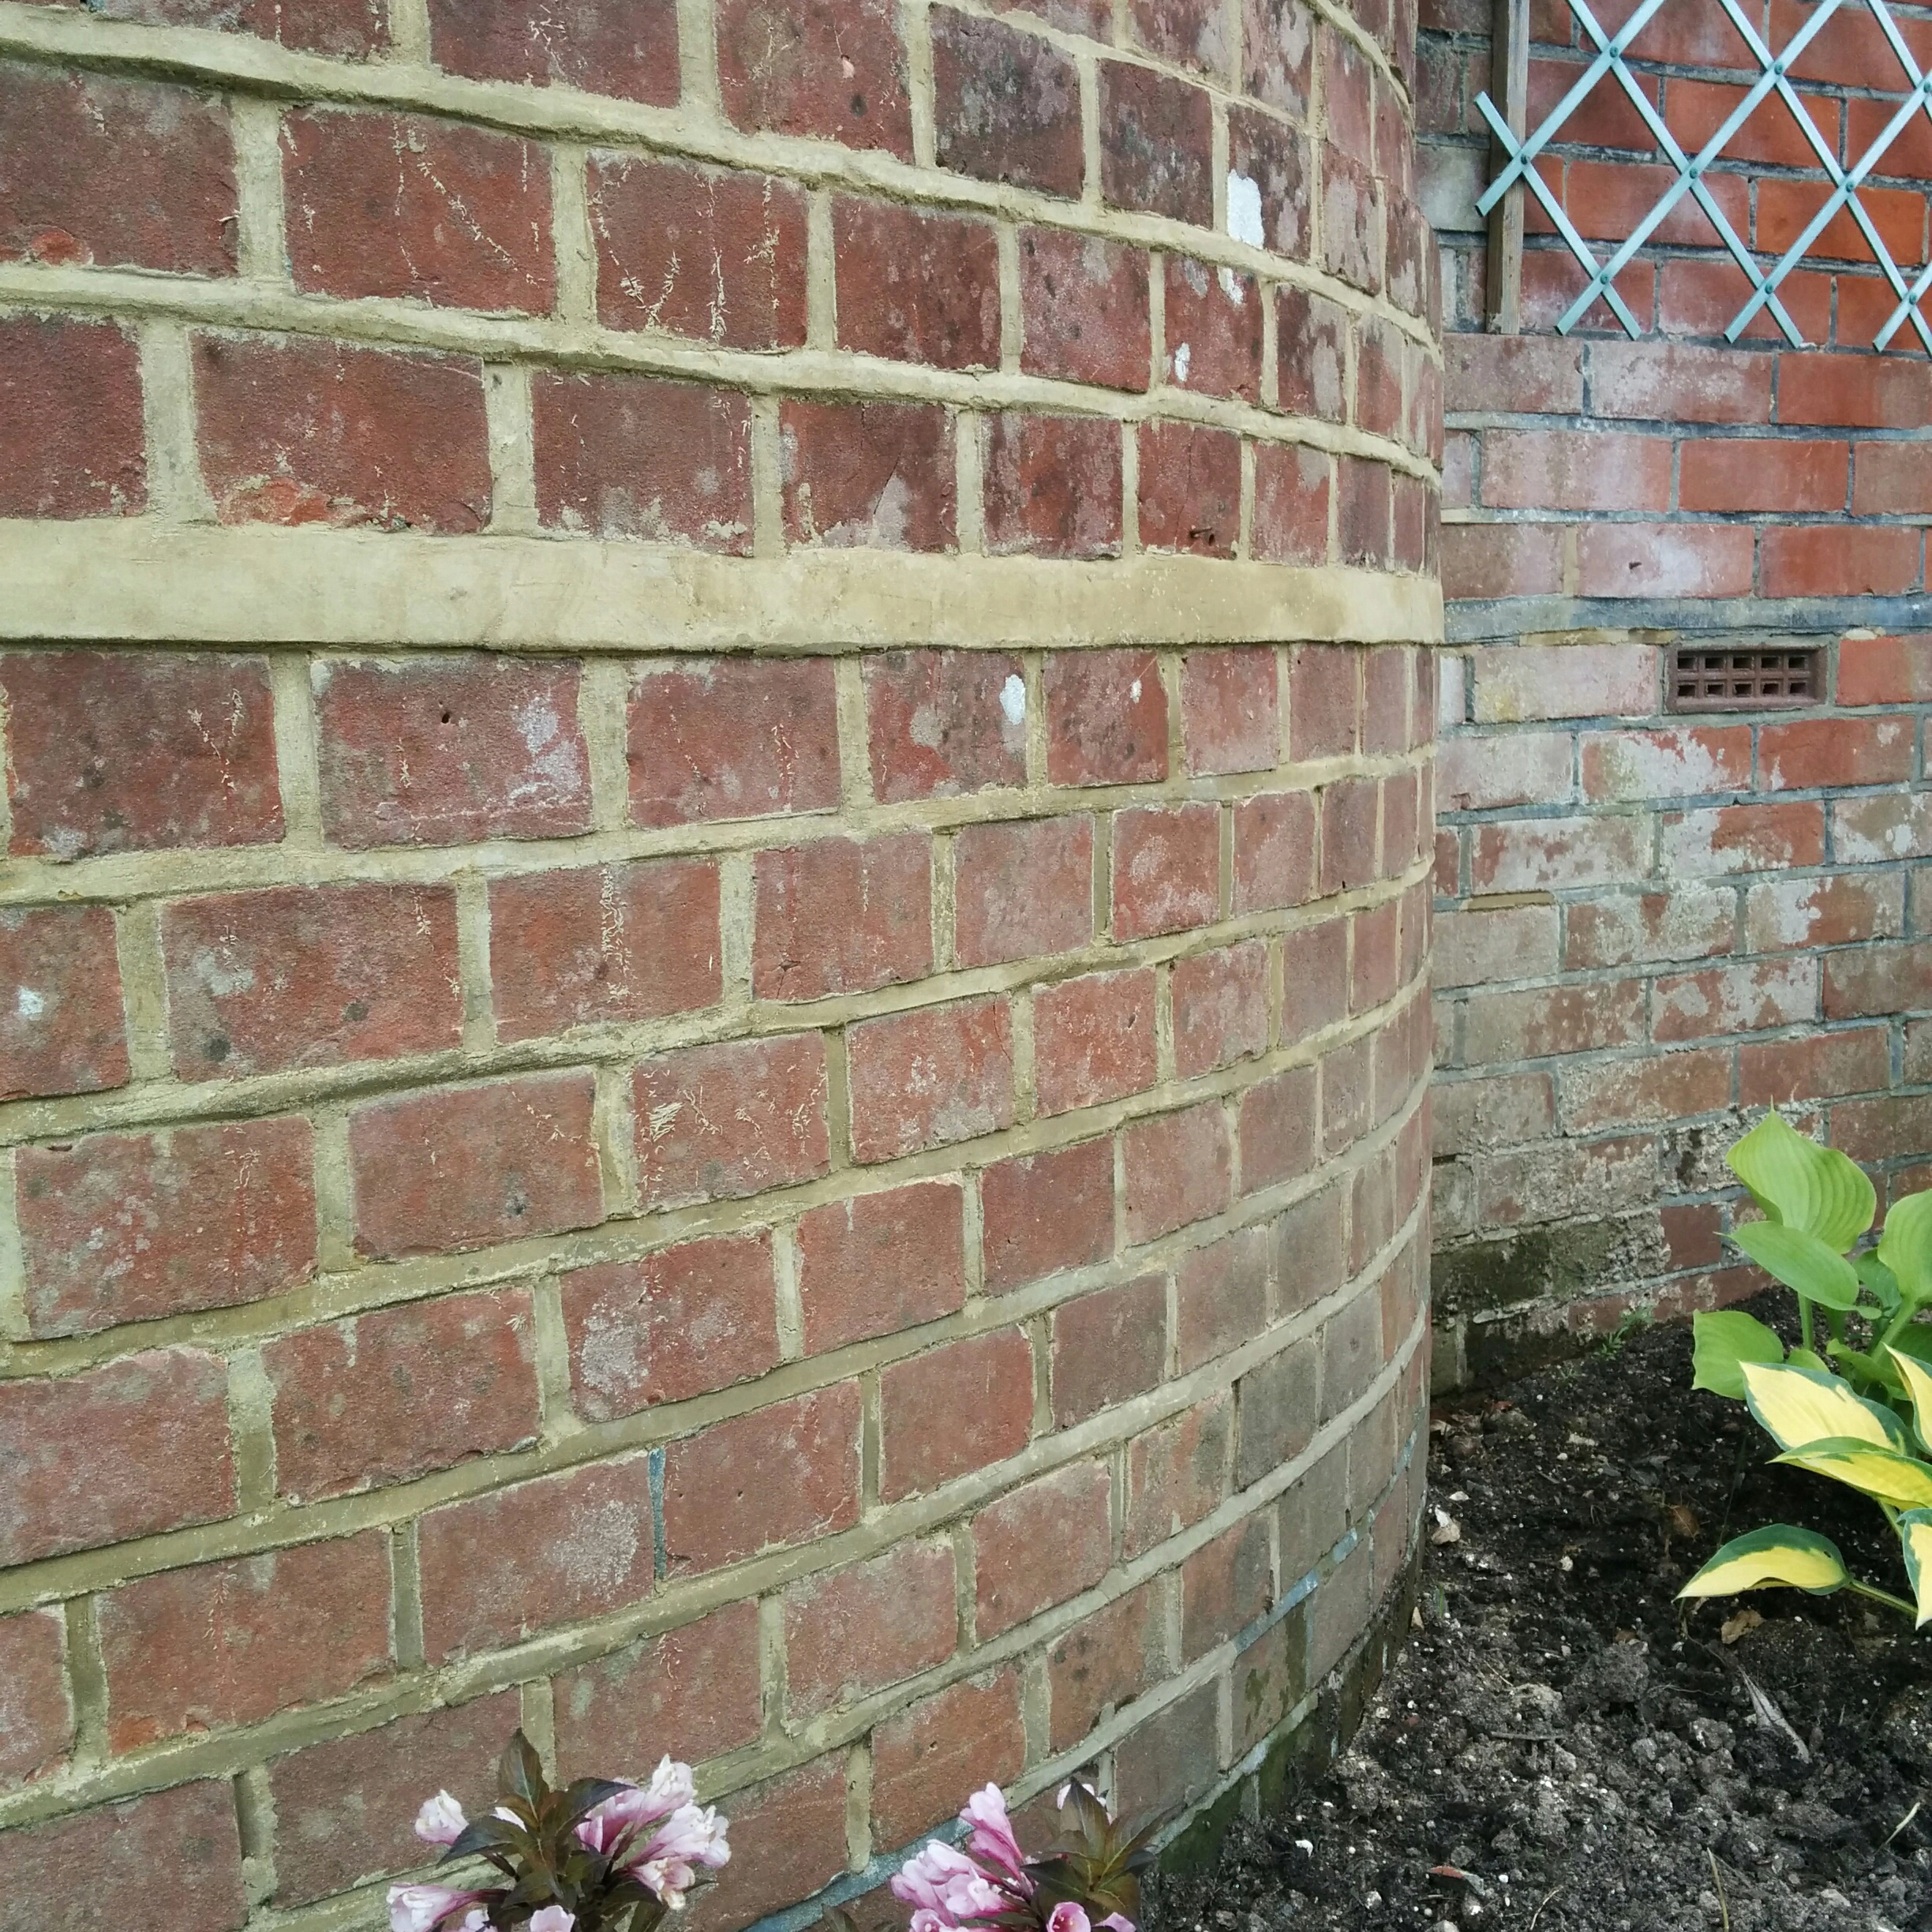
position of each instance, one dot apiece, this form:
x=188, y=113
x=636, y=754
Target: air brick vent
x=1704, y=679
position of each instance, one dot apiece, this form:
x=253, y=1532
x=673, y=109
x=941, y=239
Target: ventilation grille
x=1702, y=679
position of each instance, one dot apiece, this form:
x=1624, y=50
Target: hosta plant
x=1853, y=1401
x=600, y=1855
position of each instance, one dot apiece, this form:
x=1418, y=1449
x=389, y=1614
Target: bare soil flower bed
x=1565, y=1746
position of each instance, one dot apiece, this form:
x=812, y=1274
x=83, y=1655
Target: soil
x=1564, y=1746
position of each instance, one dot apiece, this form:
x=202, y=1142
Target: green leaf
x=1796, y=1407
x=1725, y=1340
x=1776, y=1556
x=1803, y=1358
x=1902, y=1480
x=1801, y=1262
x=1905, y=1247
x=1917, y=1378
x=520, y=1772
x=1815, y=1189
x=1915, y=1528
x=1877, y=1280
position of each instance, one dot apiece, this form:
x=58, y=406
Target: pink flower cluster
x=655, y=1833
x=950, y=1890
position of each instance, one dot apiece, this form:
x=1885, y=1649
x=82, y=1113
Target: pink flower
x=441, y=1820
x=551, y=1919
x=1118, y=1921
x=1068, y=1917
x=693, y=1835
x=423, y=1907
x=947, y=1884
x=990, y=1837
x=620, y=1817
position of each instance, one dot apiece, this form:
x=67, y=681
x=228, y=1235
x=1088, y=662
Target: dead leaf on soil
x=1732, y=1628
x=1682, y=1520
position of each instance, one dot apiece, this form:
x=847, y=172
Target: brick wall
x=1653, y=925
x=718, y=731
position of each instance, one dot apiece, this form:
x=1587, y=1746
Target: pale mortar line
x=255, y=1820
x=512, y=449
x=292, y=681
x=262, y=245
x=14, y=1325
x=409, y=30
x=143, y=990
x=603, y=714
x=698, y=96
x=176, y=492
x=575, y=246
x=969, y=432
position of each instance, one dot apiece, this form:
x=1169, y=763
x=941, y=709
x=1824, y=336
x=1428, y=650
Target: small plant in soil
x=1853, y=1401
x=600, y=1855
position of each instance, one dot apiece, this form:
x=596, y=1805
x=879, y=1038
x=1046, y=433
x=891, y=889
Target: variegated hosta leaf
x=1724, y=1342
x=1915, y=1528
x=1805, y=1264
x=1901, y=1480
x=1918, y=1379
x=1803, y=1185
x=1796, y=1407
x=1778, y=1555
x=1905, y=1247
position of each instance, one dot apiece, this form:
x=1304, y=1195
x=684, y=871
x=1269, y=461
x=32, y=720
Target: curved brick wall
x=713, y=1010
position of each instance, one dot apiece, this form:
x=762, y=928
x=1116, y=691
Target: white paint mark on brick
x=1181, y=357
x=1012, y=699
x=28, y=1004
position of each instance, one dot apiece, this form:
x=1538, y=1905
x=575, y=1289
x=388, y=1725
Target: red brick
x=1213, y=329
x=1093, y=1039
x=1842, y=910
x=720, y=1502
x=1349, y=837
x=838, y=73
x=1891, y=479
x=916, y=287
x=1106, y=718
x=1176, y=1169
x=1170, y=1760
x=1743, y=838
x=442, y=751
x=1364, y=514
x=1277, y=42
x=733, y=738
x=99, y=1867
x=1105, y=1660
x=1324, y=700
x=1348, y=1093
x=625, y=456
x=941, y=723
x=1273, y=157
x=36, y=1716
x=1039, y=1544
x=850, y=1632
x=1107, y=1346
x=968, y=1735
x=1277, y=1119
x=1166, y=871
x=1875, y=392
x=1291, y=504
x=1190, y=488
x=1225, y=1586
x=1348, y=95
x=842, y=915
x=1881, y=826
x=724, y=1122
x=134, y=1227
x=1274, y=851
x=1566, y=469
x=1005, y=105
x=1022, y=890
x=1824, y=1067
x=1276, y=1403
x=1376, y=970
x=1886, y=670
x=1642, y=766
x=698, y=1683
x=392, y=1394
x=61, y=1031
x=1725, y=1000
x=1835, y=751
x=1674, y=382
x=1881, y=1129
x=1536, y=855
x=1482, y=944
x=1229, y=713
x=1312, y=339
x=128, y=750
x=603, y=47
x=1786, y=208
x=1315, y=980
x=929, y=1077
x=340, y=27
x=1043, y=1212
x=1543, y=374
x=470, y=1166
x=1176, y=1473
x=1699, y=296
x=1553, y=1020
x=1688, y=923
x=1380, y=347
x=792, y=1830
x=877, y=1263
x=298, y=431
x=115, y=173
x=871, y=475
x=1220, y=1007
x=1665, y=560
x=1220, y=1297
x=342, y=1810
x=1723, y=473
x=1501, y=559
x=983, y=1386
x=466, y=212
x=1084, y=309
x=1515, y=768
x=1639, y=1092
x=1155, y=144
x=231, y=1643
x=70, y=420
x=1187, y=33
x=1352, y=222
x=1053, y=486
x=670, y=1325
x=715, y=254
x=1828, y=561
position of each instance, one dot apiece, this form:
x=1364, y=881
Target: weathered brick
x=602, y=944
x=1277, y=41
x=629, y=49
x=1571, y=469
x=1516, y=682
x=1890, y=825
x=36, y=1714
x=940, y=723
x=1213, y=329
x=61, y=1031
x=984, y=1385
x=224, y=1644
x=1277, y=1127
x=670, y=1325
x=923, y=1758
x=1324, y=700
x=443, y=751
x=877, y=1263
x=842, y=915
x=1350, y=835
x=1513, y=767
x=1823, y=1067
x=559, y=1549
x=1743, y=838
x=792, y=1830
x=466, y=212
x=733, y=738
x=473, y=1166
x=1106, y=718
x=1501, y=559
x=1569, y=1178
x=1538, y=855
x=1220, y=1297
x=1155, y=144
x=1838, y=910
x=1105, y=1660
x=1229, y=717
x=1663, y=559
x=1277, y=1409
x=1348, y=1093
x=1039, y=1544
x=1177, y=1170
x=1620, y=928
x=724, y=1121
x=622, y=455
x=1084, y=309
x=301, y=431
x=1725, y=1000
x=1352, y=221
x=70, y=420
x=1005, y=105
x=1170, y=1760
x=386, y=1396
x=1022, y=890
x=1273, y=157
x=1225, y=1586
x=1042, y=1212
x=1553, y=1020
x=1312, y=338
x=1052, y=485
x=1108, y=1346
x=1093, y=1039
x=1482, y=944
x=1220, y=1007
x=1291, y=504
x=1315, y=980
x=849, y=1632
x=916, y=287
x=1166, y=869
x=837, y=73
x=1176, y=1473
x=929, y=1077
x=1644, y=765
x=135, y=1227
x=878, y=476
x=1638, y=1091
x=720, y=1502
x=1274, y=851
x=1190, y=488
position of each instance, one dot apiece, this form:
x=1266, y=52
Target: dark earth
x=1564, y=1746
